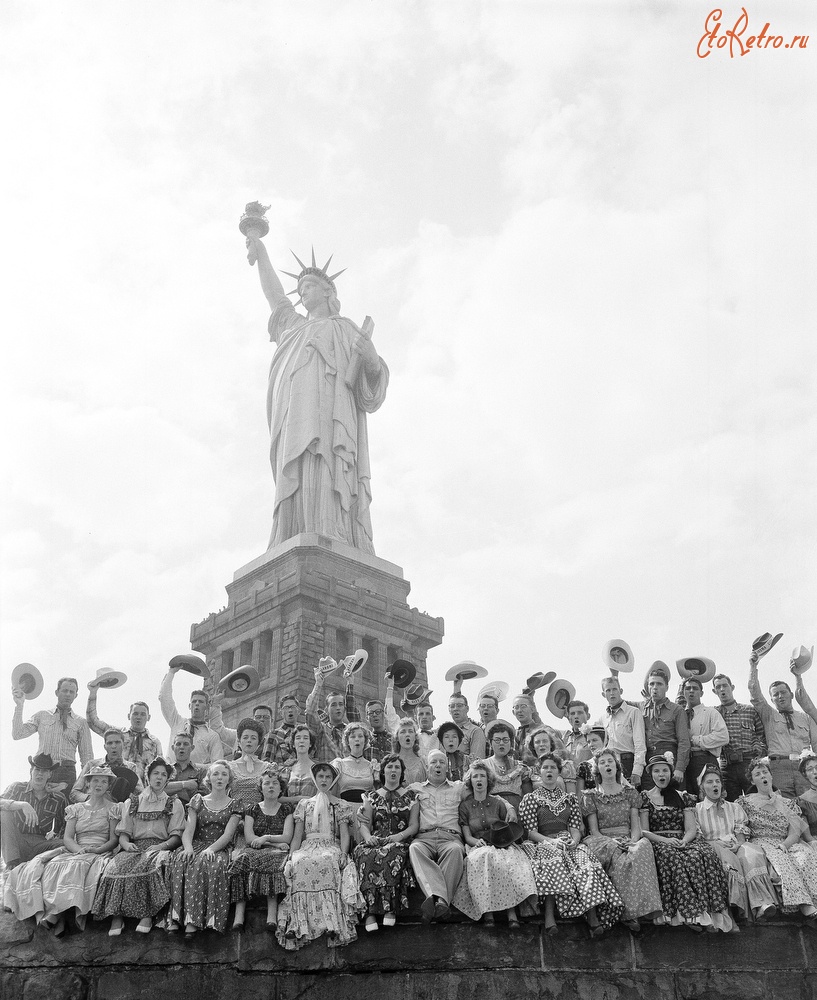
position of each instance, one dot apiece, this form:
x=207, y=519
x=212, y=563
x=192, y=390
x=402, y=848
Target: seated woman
x=248, y=768
x=724, y=827
x=596, y=736
x=298, y=776
x=387, y=820
x=150, y=827
x=568, y=877
x=495, y=878
x=808, y=800
x=611, y=811
x=406, y=743
x=511, y=778
x=199, y=889
x=258, y=870
x=64, y=881
x=355, y=773
x=540, y=743
x=451, y=736
x=776, y=828
x=693, y=884
x=322, y=889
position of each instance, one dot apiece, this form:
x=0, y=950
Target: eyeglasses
x=500, y=739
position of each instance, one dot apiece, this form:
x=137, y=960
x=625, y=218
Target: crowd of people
x=666, y=812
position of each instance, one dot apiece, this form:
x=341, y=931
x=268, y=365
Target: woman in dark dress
x=387, y=820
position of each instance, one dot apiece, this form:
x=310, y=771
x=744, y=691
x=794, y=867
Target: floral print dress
x=259, y=871
x=383, y=869
x=795, y=870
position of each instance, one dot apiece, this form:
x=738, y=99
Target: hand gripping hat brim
x=403, y=672
x=240, y=682
x=701, y=668
x=627, y=665
x=28, y=679
x=560, y=694
x=466, y=670
x=801, y=659
x=539, y=680
x=765, y=642
x=495, y=689
x=107, y=677
x=191, y=663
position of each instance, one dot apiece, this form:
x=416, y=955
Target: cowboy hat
x=354, y=662
x=43, y=761
x=502, y=834
x=495, y=689
x=403, y=672
x=560, y=693
x=764, y=643
x=327, y=665
x=100, y=771
x=106, y=677
x=240, y=682
x=619, y=646
x=538, y=680
x=465, y=670
x=701, y=668
x=124, y=784
x=801, y=659
x=416, y=695
x=191, y=663
x=29, y=679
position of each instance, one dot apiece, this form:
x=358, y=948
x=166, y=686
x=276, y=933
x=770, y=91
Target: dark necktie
x=690, y=713
x=788, y=715
x=138, y=742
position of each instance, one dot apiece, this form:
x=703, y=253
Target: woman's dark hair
x=672, y=793
x=246, y=724
x=393, y=758
x=158, y=762
x=395, y=742
x=479, y=765
x=271, y=772
x=302, y=728
x=549, y=756
x=811, y=759
x=446, y=727
x=498, y=726
x=352, y=727
x=535, y=733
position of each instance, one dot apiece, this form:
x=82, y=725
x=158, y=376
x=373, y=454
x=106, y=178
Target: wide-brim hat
x=239, y=682
x=502, y=834
x=700, y=668
x=327, y=665
x=124, y=784
x=100, y=771
x=43, y=761
x=107, y=677
x=191, y=663
x=801, y=659
x=627, y=666
x=659, y=667
x=560, y=694
x=465, y=670
x=449, y=726
x=403, y=672
x=495, y=689
x=538, y=680
x=416, y=695
x=764, y=643
x=659, y=758
x=28, y=679
x=494, y=723
x=355, y=662
x=324, y=765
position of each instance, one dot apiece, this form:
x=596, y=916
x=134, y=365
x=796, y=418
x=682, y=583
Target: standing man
x=708, y=734
x=328, y=736
x=788, y=731
x=524, y=710
x=665, y=725
x=576, y=746
x=35, y=817
x=206, y=741
x=141, y=746
x=284, y=751
x=114, y=759
x=62, y=734
x=262, y=714
x=488, y=708
x=473, y=739
x=625, y=730
x=381, y=737
x=437, y=851
x=747, y=738
x=187, y=778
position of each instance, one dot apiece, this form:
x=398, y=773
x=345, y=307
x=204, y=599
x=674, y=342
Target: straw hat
x=28, y=679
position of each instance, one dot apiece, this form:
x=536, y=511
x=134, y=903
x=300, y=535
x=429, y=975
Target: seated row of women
x=322, y=863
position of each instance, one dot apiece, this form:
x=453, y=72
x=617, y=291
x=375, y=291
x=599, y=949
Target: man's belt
x=784, y=756
x=441, y=829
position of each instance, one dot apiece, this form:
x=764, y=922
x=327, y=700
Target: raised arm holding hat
x=62, y=734
x=206, y=741
x=35, y=817
x=141, y=746
x=340, y=708
x=788, y=732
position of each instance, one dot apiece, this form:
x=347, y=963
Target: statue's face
x=312, y=292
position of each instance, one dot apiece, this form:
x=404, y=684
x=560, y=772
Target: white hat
x=240, y=682
x=28, y=679
x=801, y=659
x=620, y=646
x=560, y=694
x=700, y=668
x=106, y=677
x=465, y=670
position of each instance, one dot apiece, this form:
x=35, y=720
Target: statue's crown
x=319, y=272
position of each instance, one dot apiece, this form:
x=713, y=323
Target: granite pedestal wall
x=308, y=598
x=416, y=962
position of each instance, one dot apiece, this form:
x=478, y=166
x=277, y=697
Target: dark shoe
x=427, y=909
x=513, y=924
x=238, y=927
x=272, y=926
x=441, y=910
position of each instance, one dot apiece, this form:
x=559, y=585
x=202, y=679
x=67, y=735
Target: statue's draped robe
x=319, y=448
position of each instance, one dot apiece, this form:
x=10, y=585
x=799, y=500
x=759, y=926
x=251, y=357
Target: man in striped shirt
x=61, y=733
x=747, y=739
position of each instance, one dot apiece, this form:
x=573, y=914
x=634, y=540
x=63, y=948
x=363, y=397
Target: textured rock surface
x=456, y=962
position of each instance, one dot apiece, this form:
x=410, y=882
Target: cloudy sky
x=589, y=255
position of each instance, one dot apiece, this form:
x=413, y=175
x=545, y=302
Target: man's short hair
x=204, y=695
x=264, y=708
x=777, y=684
x=694, y=680
x=113, y=732
x=578, y=704
x=610, y=680
x=658, y=672
x=183, y=735
x=490, y=697
x=288, y=697
x=333, y=694
x=144, y=705
x=722, y=677
x=67, y=680
x=459, y=695
x=375, y=701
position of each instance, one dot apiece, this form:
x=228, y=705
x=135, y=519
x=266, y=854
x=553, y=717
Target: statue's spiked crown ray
x=319, y=272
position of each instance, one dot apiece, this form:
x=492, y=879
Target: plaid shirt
x=745, y=728
x=50, y=808
x=328, y=738
x=60, y=743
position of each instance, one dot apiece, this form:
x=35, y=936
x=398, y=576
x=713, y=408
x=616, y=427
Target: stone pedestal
x=308, y=598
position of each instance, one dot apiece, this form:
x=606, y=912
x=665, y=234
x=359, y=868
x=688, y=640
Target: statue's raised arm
x=324, y=378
